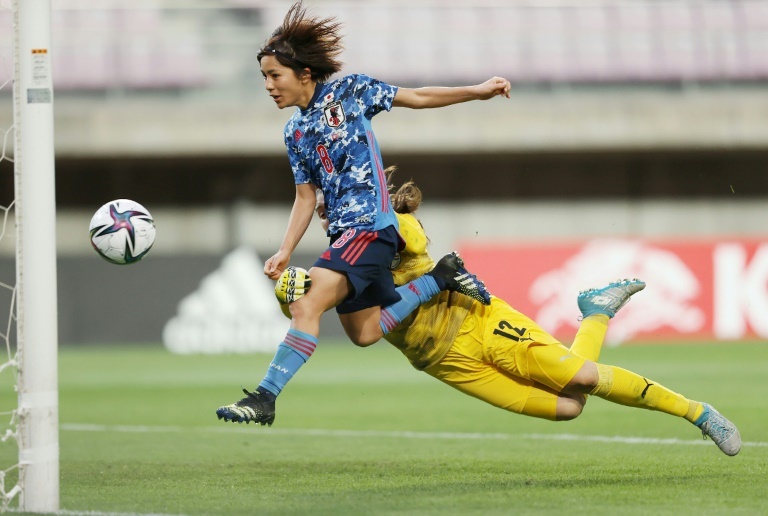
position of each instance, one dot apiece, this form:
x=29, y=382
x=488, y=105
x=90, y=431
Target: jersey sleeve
x=297, y=162
x=376, y=95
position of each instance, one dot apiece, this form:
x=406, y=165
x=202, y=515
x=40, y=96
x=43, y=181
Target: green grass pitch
x=358, y=431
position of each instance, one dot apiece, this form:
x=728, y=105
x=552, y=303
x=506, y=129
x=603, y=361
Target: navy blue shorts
x=364, y=257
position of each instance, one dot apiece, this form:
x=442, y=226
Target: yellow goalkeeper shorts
x=504, y=358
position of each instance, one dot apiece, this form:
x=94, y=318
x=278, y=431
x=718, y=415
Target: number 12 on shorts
x=503, y=330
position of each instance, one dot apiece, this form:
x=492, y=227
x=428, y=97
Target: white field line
x=74, y=427
x=96, y=513
x=65, y=512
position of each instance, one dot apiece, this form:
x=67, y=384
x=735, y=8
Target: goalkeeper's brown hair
x=305, y=41
x=407, y=198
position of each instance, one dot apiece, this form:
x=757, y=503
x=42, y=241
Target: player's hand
x=493, y=87
x=293, y=283
x=276, y=264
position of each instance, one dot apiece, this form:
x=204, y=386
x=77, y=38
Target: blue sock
x=412, y=295
x=291, y=354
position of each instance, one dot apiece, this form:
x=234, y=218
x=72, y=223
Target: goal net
x=29, y=471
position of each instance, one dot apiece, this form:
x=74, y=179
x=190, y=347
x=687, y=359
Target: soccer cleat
x=257, y=406
x=724, y=433
x=608, y=300
x=451, y=270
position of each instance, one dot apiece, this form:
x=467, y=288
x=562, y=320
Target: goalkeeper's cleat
x=715, y=426
x=450, y=269
x=608, y=300
x=257, y=406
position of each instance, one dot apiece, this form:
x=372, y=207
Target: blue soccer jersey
x=331, y=145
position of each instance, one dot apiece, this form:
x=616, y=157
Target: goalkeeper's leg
x=627, y=388
x=464, y=368
x=598, y=306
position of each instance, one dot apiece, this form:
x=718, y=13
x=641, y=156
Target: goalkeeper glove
x=293, y=283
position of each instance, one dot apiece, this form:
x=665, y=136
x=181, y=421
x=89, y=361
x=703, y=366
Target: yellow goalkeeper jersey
x=428, y=333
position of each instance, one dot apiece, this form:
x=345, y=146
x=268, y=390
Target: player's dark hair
x=304, y=41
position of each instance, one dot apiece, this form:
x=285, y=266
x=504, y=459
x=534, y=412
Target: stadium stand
x=160, y=45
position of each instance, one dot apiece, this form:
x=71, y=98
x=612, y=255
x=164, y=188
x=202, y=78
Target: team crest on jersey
x=334, y=114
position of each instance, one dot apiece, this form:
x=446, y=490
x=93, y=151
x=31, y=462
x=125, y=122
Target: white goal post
x=36, y=304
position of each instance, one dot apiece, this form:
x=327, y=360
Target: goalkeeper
x=502, y=357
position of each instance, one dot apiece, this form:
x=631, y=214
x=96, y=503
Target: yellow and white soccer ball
x=293, y=283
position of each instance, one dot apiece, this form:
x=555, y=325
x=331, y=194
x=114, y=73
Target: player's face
x=284, y=86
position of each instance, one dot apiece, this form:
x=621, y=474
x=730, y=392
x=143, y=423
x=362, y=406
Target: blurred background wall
x=628, y=119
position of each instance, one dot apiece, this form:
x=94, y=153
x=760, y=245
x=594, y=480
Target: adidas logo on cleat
x=466, y=281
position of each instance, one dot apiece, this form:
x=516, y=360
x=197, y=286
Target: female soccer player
x=331, y=147
x=500, y=356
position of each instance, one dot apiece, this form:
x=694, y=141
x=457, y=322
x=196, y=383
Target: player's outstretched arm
x=434, y=96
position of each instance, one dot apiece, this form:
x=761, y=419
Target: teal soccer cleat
x=722, y=432
x=257, y=406
x=608, y=300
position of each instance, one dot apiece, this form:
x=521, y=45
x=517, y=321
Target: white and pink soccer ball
x=122, y=231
